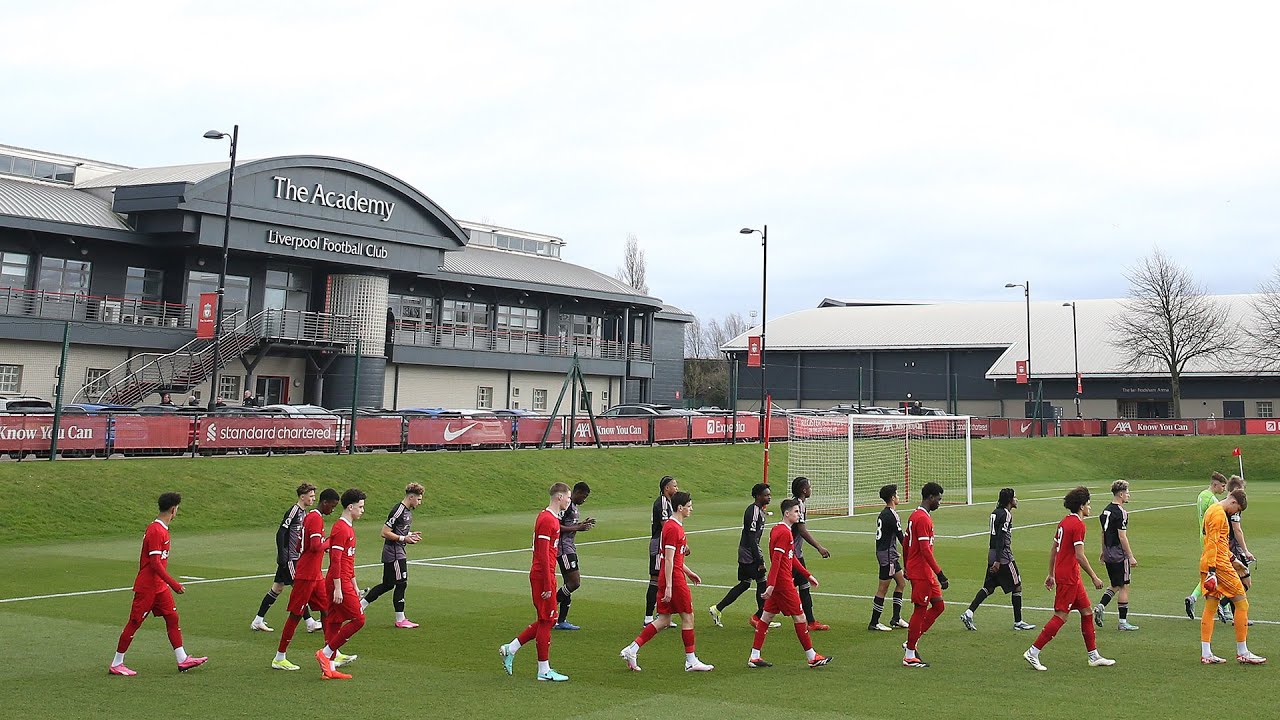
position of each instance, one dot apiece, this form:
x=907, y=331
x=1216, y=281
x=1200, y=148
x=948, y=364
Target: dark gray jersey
x=1114, y=518
x=888, y=530
x=1000, y=549
x=662, y=511
x=1232, y=543
x=289, y=535
x=400, y=520
x=795, y=529
x=568, y=546
x=749, y=542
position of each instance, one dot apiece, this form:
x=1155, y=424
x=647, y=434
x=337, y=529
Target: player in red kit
x=345, y=617
x=153, y=591
x=1066, y=557
x=308, y=580
x=674, y=597
x=927, y=579
x=542, y=585
x=780, y=594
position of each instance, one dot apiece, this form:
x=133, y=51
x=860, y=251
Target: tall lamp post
x=222, y=275
x=1075, y=351
x=1026, y=293
x=764, y=294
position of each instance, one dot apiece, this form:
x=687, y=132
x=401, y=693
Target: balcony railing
x=301, y=326
x=76, y=306
x=409, y=332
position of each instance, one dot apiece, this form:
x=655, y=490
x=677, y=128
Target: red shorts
x=308, y=592
x=923, y=590
x=784, y=600
x=350, y=607
x=548, y=608
x=1071, y=596
x=681, y=600
x=159, y=603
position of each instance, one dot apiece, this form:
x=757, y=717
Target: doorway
x=272, y=390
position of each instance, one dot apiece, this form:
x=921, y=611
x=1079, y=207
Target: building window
x=13, y=270
x=412, y=311
x=39, y=169
x=584, y=401
x=1265, y=409
x=584, y=327
x=604, y=399
x=10, y=378
x=229, y=387
x=1128, y=409
x=464, y=315
x=95, y=380
x=60, y=275
x=484, y=397
x=517, y=318
x=237, y=297
x=539, y=400
x=144, y=284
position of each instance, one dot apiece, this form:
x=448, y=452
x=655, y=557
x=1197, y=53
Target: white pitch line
x=1055, y=522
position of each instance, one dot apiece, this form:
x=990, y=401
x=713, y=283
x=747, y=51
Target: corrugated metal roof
x=485, y=262
x=987, y=325
x=58, y=204
x=154, y=176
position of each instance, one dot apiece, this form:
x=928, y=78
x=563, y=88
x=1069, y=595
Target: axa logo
x=1124, y=426
x=583, y=430
x=450, y=434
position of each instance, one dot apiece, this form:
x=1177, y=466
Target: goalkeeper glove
x=942, y=580
x=1211, y=581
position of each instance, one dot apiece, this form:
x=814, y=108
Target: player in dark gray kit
x=800, y=490
x=1116, y=555
x=397, y=533
x=288, y=547
x=570, y=525
x=888, y=538
x=750, y=561
x=1002, y=571
x=662, y=511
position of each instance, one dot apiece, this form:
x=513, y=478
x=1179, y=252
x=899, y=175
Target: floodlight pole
x=222, y=275
x=764, y=297
x=1075, y=351
x=1026, y=293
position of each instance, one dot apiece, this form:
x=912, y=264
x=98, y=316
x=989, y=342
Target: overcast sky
x=899, y=150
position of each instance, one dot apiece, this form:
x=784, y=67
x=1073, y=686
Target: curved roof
x=488, y=263
x=56, y=204
x=157, y=175
x=999, y=325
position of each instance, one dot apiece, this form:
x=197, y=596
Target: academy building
x=326, y=256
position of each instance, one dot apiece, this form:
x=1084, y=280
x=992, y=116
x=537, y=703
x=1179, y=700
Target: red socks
x=802, y=632
x=687, y=636
x=1051, y=628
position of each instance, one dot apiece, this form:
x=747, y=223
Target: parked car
x=98, y=409
x=448, y=413
x=25, y=404
x=312, y=411
x=864, y=410
x=645, y=410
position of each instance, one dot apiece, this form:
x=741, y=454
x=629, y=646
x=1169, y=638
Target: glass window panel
x=64, y=173
x=10, y=378
x=44, y=170
x=6, y=163
x=13, y=269
x=24, y=167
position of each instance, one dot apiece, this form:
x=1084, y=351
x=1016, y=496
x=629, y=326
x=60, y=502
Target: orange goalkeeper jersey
x=1217, y=548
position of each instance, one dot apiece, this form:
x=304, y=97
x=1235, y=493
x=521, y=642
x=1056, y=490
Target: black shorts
x=654, y=562
x=395, y=571
x=798, y=578
x=1006, y=578
x=751, y=571
x=889, y=570
x=568, y=562
x=284, y=572
x=1118, y=573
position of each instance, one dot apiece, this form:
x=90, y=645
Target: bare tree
x=695, y=340
x=718, y=333
x=632, y=271
x=1263, y=334
x=1169, y=320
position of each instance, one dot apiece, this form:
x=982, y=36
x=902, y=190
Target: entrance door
x=273, y=390
x=1232, y=408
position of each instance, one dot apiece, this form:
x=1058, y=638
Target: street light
x=764, y=288
x=1075, y=348
x=1026, y=293
x=222, y=275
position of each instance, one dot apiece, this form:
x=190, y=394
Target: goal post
x=849, y=458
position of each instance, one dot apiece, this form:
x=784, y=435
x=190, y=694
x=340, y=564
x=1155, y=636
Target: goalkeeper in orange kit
x=1220, y=581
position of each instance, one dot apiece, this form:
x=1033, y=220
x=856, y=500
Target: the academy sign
x=286, y=189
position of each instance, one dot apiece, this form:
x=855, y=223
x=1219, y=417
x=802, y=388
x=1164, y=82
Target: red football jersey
x=918, y=546
x=311, y=548
x=782, y=554
x=155, y=541
x=546, y=540
x=342, y=551
x=672, y=537
x=1066, y=569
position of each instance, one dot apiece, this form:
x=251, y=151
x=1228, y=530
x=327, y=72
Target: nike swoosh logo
x=1025, y=426
x=451, y=435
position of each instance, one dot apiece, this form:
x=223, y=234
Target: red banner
x=753, y=351
x=1079, y=384
x=613, y=430
x=34, y=433
x=672, y=429
x=278, y=432
x=375, y=431
x=1021, y=366
x=1262, y=427
x=1218, y=426
x=529, y=430
x=206, y=314
x=1150, y=427
x=154, y=432
x=979, y=427
x=778, y=427
x=721, y=428
x=1085, y=428
x=458, y=432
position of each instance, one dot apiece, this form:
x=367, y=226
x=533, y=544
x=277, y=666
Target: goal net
x=849, y=458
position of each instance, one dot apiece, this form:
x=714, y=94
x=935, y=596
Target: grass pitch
x=70, y=539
